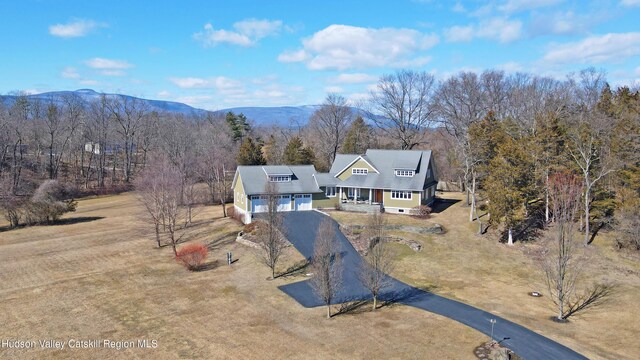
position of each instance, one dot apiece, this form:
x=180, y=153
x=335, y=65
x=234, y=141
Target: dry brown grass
x=103, y=279
x=497, y=278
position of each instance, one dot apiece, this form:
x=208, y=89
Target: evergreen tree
x=250, y=153
x=510, y=184
x=296, y=154
x=358, y=138
x=238, y=125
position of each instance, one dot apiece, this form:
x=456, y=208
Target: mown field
x=497, y=278
x=98, y=276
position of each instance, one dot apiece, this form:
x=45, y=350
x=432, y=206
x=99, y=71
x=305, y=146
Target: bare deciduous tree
x=562, y=263
x=269, y=234
x=378, y=261
x=404, y=102
x=129, y=114
x=329, y=125
x=326, y=264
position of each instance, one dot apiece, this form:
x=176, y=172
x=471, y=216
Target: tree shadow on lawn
x=69, y=221
x=209, y=265
x=295, y=269
x=441, y=205
x=76, y=220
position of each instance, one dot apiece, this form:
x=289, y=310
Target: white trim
x=353, y=162
x=401, y=198
x=334, y=191
x=404, y=173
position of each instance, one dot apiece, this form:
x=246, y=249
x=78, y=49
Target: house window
x=330, y=191
x=428, y=173
x=359, y=171
x=405, y=173
x=401, y=195
x=279, y=178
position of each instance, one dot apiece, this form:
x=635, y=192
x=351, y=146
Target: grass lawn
x=497, y=278
x=100, y=277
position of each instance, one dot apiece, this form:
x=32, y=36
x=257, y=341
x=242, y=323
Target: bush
x=49, y=202
x=338, y=207
x=251, y=227
x=192, y=256
x=421, y=212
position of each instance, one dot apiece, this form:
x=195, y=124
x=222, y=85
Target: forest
x=501, y=138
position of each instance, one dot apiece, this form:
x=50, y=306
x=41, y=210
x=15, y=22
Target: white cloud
x=510, y=67
x=70, y=73
x=341, y=47
x=107, y=64
x=459, y=33
x=246, y=33
x=630, y=2
x=163, y=94
x=75, y=28
x=220, y=83
x=501, y=29
x=511, y=6
x=293, y=56
x=611, y=47
x=562, y=23
x=353, y=78
x=458, y=7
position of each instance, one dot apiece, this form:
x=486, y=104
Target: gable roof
x=386, y=162
x=358, y=157
x=254, y=179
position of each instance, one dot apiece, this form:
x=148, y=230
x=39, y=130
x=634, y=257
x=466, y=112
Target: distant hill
x=91, y=96
x=287, y=116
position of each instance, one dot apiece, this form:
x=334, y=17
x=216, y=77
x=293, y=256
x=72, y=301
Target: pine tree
x=250, y=153
x=510, y=184
x=358, y=138
x=239, y=126
x=296, y=154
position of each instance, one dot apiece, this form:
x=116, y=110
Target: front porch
x=359, y=196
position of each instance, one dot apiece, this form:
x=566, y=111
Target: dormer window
x=359, y=171
x=405, y=173
x=279, y=178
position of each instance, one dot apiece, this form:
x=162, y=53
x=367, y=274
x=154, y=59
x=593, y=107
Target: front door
x=378, y=196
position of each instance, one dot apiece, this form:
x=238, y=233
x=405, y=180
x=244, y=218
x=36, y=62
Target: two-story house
x=394, y=180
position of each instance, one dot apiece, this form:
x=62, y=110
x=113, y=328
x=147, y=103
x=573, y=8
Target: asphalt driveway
x=301, y=231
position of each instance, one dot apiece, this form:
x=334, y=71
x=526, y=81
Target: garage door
x=284, y=202
x=259, y=204
x=303, y=202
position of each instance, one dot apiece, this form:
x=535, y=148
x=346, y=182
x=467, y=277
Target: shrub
x=421, y=212
x=338, y=207
x=250, y=227
x=49, y=202
x=192, y=256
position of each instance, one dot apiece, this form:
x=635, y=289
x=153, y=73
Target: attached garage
x=284, y=202
x=302, y=202
x=259, y=204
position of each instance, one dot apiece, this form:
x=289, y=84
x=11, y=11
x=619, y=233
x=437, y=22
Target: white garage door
x=303, y=202
x=259, y=204
x=284, y=202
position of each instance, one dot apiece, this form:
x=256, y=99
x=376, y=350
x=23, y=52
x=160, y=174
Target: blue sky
x=214, y=54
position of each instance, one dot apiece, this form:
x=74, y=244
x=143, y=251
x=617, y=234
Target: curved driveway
x=302, y=226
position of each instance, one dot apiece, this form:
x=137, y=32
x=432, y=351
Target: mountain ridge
x=287, y=116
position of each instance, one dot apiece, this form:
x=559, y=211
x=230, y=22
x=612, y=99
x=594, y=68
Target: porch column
x=340, y=198
x=370, y=194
